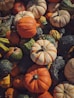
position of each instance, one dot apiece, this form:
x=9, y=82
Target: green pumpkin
x=67, y=5
x=5, y=67
x=23, y=96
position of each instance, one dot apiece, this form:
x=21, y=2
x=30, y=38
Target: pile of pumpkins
x=37, y=49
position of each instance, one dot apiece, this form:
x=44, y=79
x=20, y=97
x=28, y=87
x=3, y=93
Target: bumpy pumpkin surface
x=37, y=7
x=43, y=52
x=69, y=70
x=37, y=79
x=64, y=90
x=26, y=27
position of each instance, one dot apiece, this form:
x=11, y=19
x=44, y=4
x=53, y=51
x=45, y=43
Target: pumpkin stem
x=42, y=49
x=35, y=77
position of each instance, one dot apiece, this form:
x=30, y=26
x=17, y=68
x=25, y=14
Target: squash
x=45, y=95
x=17, y=7
x=69, y=70
x=11, y=93
x=14, y=53
x=37, y=7
x=60, y=18
x=43, y=52
x=26, y=27
x=22, y=14
x=6, y=5
x=64, y=90
x=23, y=96
x=54, y=1
x=67, y=5
x=5, y=67
x=37, y=79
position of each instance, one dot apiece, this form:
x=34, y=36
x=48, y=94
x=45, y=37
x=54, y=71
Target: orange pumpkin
x=37, y=79
x=45, y=95
x=18, y=6
x=26, y=27
x=54, y=1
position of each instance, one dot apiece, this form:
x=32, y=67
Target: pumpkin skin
x=37, y=7
x=22, y=14
x=43, y=52
x=60, y=18
x=18, y=6
x=6, y=5
x=37, y=79
x=26, y=27
x=69, y=70
x=45, y=95
x=54, y=1
x=64, y=90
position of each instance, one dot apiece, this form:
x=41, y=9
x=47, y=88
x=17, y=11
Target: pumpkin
x=60, y=18
x=26, y=27
x=67, y=5
x=14, y=53
x=55, y=34
x=64, y=90
x=37, y=79
x=5, y=67
x=45, y=95
x=23, y=96
x=6, y=5
x=54, y=1
x=22, y=14
x=11, y=93
x=18, y=6
x=37, y=7
x=57, y=70
x=43, y=52
x=69, y=70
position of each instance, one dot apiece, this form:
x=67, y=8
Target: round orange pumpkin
x=45, y=95
x=37, y=79
x=26, y=27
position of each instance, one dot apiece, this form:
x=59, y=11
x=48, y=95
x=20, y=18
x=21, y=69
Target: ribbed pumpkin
x=37, y=7
x=69, y=70
x=22, y=14
x=37, y=79
x=26, y=27
x=43, y=52
x=6, y=5
x=64, y=90
x=60, y=18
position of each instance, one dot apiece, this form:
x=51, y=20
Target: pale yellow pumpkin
x=23, y=14
x=43, y=52
x=69, y=70
x=64, y=90
x=37, y=7
x=60, y=18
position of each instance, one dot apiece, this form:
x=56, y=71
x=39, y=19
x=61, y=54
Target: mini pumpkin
x=69, y=70
x=6, y=5
x=22, y=14
x=64, y=90
x=18, y=6
x=43, y=52
x=60, y=18
x=26, y=27
x=37, y=7
x=37, y=79
x=45, y=95
x=23, y=96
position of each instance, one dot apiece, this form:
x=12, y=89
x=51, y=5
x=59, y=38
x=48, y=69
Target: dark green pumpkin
x=5, y=67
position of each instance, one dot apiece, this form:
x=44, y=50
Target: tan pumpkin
x=60, y=18
x=6, y=5
x=22, y=14
x=64, y=90
x=37, y=7
x=43, y=52
x=69, y=70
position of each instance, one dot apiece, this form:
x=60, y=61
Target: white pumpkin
x=69, y=70
x=60, y=18
x=37, y=7
x=43, y=52
x=23, y=14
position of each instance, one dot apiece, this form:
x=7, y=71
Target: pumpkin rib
x=50, y=56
